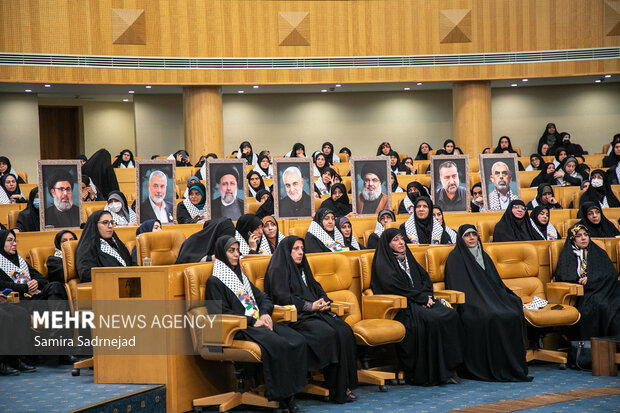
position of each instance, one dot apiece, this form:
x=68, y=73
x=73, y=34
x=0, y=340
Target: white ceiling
x=120, y=92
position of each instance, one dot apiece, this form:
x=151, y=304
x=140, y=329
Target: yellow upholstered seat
x=38, y=258
x=161, y=247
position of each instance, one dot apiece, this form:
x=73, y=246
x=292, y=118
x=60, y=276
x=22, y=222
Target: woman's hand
x=430, y=302
x=33, y=286
x=320, y=305
x=253, y=242
x=264, y=321
x=558, y=174
x=583, y=280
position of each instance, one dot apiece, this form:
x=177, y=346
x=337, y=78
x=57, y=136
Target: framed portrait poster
x=60, y=194
x=155, y=190
x=370, y=184
x=450, y=182
x=227, y=188
x=293, y=188
x=499, y=174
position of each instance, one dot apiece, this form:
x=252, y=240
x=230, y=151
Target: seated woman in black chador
x=193, y=209
x=55, y=267
x=17, y=275
x=200, y=247
x=438, y=214
x=323, y=235
x=598, y=225
x=350, y=241
x=99, y=246
x=28, y=219
x=582, y=261
x=600, y=191
x=338, y=201
x=545, y=176
x=331, y=343
x=384, y=217
x=431, y=349
x=544, y=197
x=249, y=234
x=283, y=350
x=543, y=229
x=514, y=225
x=414, y=190
x=422, y=227
x=492, y=316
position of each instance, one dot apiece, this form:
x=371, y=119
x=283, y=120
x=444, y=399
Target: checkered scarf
x=19, y=275
x=193, y=211
x=107, y=249
x=265, y=247
x=244, y=248
x=494, y=204
x=552, y=233
x=318, y=231
x=243, y=291
x=412, y=231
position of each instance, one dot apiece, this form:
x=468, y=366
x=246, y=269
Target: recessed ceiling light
x=48, y=85
x=407, y=88
x=131, y=91
x=323, y=90
x=607, y=76
x=513, y=84
x=255, y=87
x=125, y=100
x=597, y=81
x=28, y=90
x=240, y=91
x=148, y=87
x=524, y=80
x=419, y=83
x=338, y=85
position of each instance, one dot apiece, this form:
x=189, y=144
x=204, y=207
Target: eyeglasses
x=11, y=240
x=61, y=189
x=519, y=207
x=106, y=223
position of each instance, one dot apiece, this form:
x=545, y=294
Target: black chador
x=494, y=345
x=283, y=349
x=330, y=340
x=431, y=349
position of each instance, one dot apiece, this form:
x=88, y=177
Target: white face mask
x=597, y=183
x=115, y=207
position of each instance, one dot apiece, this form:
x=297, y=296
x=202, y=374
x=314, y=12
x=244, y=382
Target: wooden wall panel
x=243, y=28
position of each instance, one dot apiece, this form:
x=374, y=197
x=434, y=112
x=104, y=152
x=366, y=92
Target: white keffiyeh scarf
x=265, y=247
x=451, y=233
x=243, y=291
x=534, y=203
x=412, y=231
x=321, y=186
x=318, y=231
x=404, y=265
x=19, y=275
x=193, y=211
x=262, y=173
x=552, y=233
x=254, y=157
x=107, y=249
x=58, y=253
x=604, y=203
x=354, y=242
x=4, y=198
x=536, y=304
x=379, y=229
x=409, y=207
x=121, y=220
x=494, y=204
x=244, y=248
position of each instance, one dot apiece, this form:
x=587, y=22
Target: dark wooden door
x=59, y=132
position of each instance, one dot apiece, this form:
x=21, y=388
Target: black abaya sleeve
x=279, y=288
x=373, y=241
x=265, y=305
x=313, y=244
x=387, y=283
x=55, y=270
x=183, y=216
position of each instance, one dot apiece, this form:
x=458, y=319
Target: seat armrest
x=340, y=308
x=451, y=296
x=561, y=292
x=85, y=292
x=13, y=297
x=518, y=291
x=229, y=325
x=382, y=306
x=284, y=313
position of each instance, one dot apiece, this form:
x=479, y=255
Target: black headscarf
x=420, y=156
x=88, y=253
x=59, y=235
x=221, y=245
x=558, y=151
x=249, y=157
x=389, y=278
x=146, y=226
x=447, y=141
x=509, y=228
x=261, y=185
x=541, y=227
x=542, y=161
x=398, y=167
x=9, y=169
x=296, y=147
x=330, y=157
x=347, y=240
x=604, y=229
x=543, y=177
x=498, y=148
x=119, y=160
x=612, y=159
x=554, y=140
x=596, y=195
x=183, y=154
x=267, y=208
x=600, y=305
x=394, y=182
x=248, y=223
x=424, y=226
x=341, y=206
x=17, y=190
x=14, y=258
x=29, y=220
x=202, y=243
x=99, y=169
x=321, y=168
x=380, y=148
x=119, y=196
x=258, y=162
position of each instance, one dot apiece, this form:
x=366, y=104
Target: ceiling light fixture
x=125, y=100
x=240, y=91
x=338, y=85
x=323, y=90
x=28, y=90
x=48, y=85
x=148, y=86
x=131, y=92
x=524, y=80
x=255, y=87
x=597, y=81
x=419, y=83
x=407, y=88
x=607, y=76
x=513, y=84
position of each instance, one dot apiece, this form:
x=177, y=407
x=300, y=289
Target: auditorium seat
x=38, y=258
x=335, y=278
x=519, y=268
x=220, y=345
x=397, y=198
x=485, y=230
x=23, y=175
x=404, y=180
x=79, y=294
x=526, y=178
x=4, y=211
x=436, y=258
x=161, y=247
x=12, y=218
